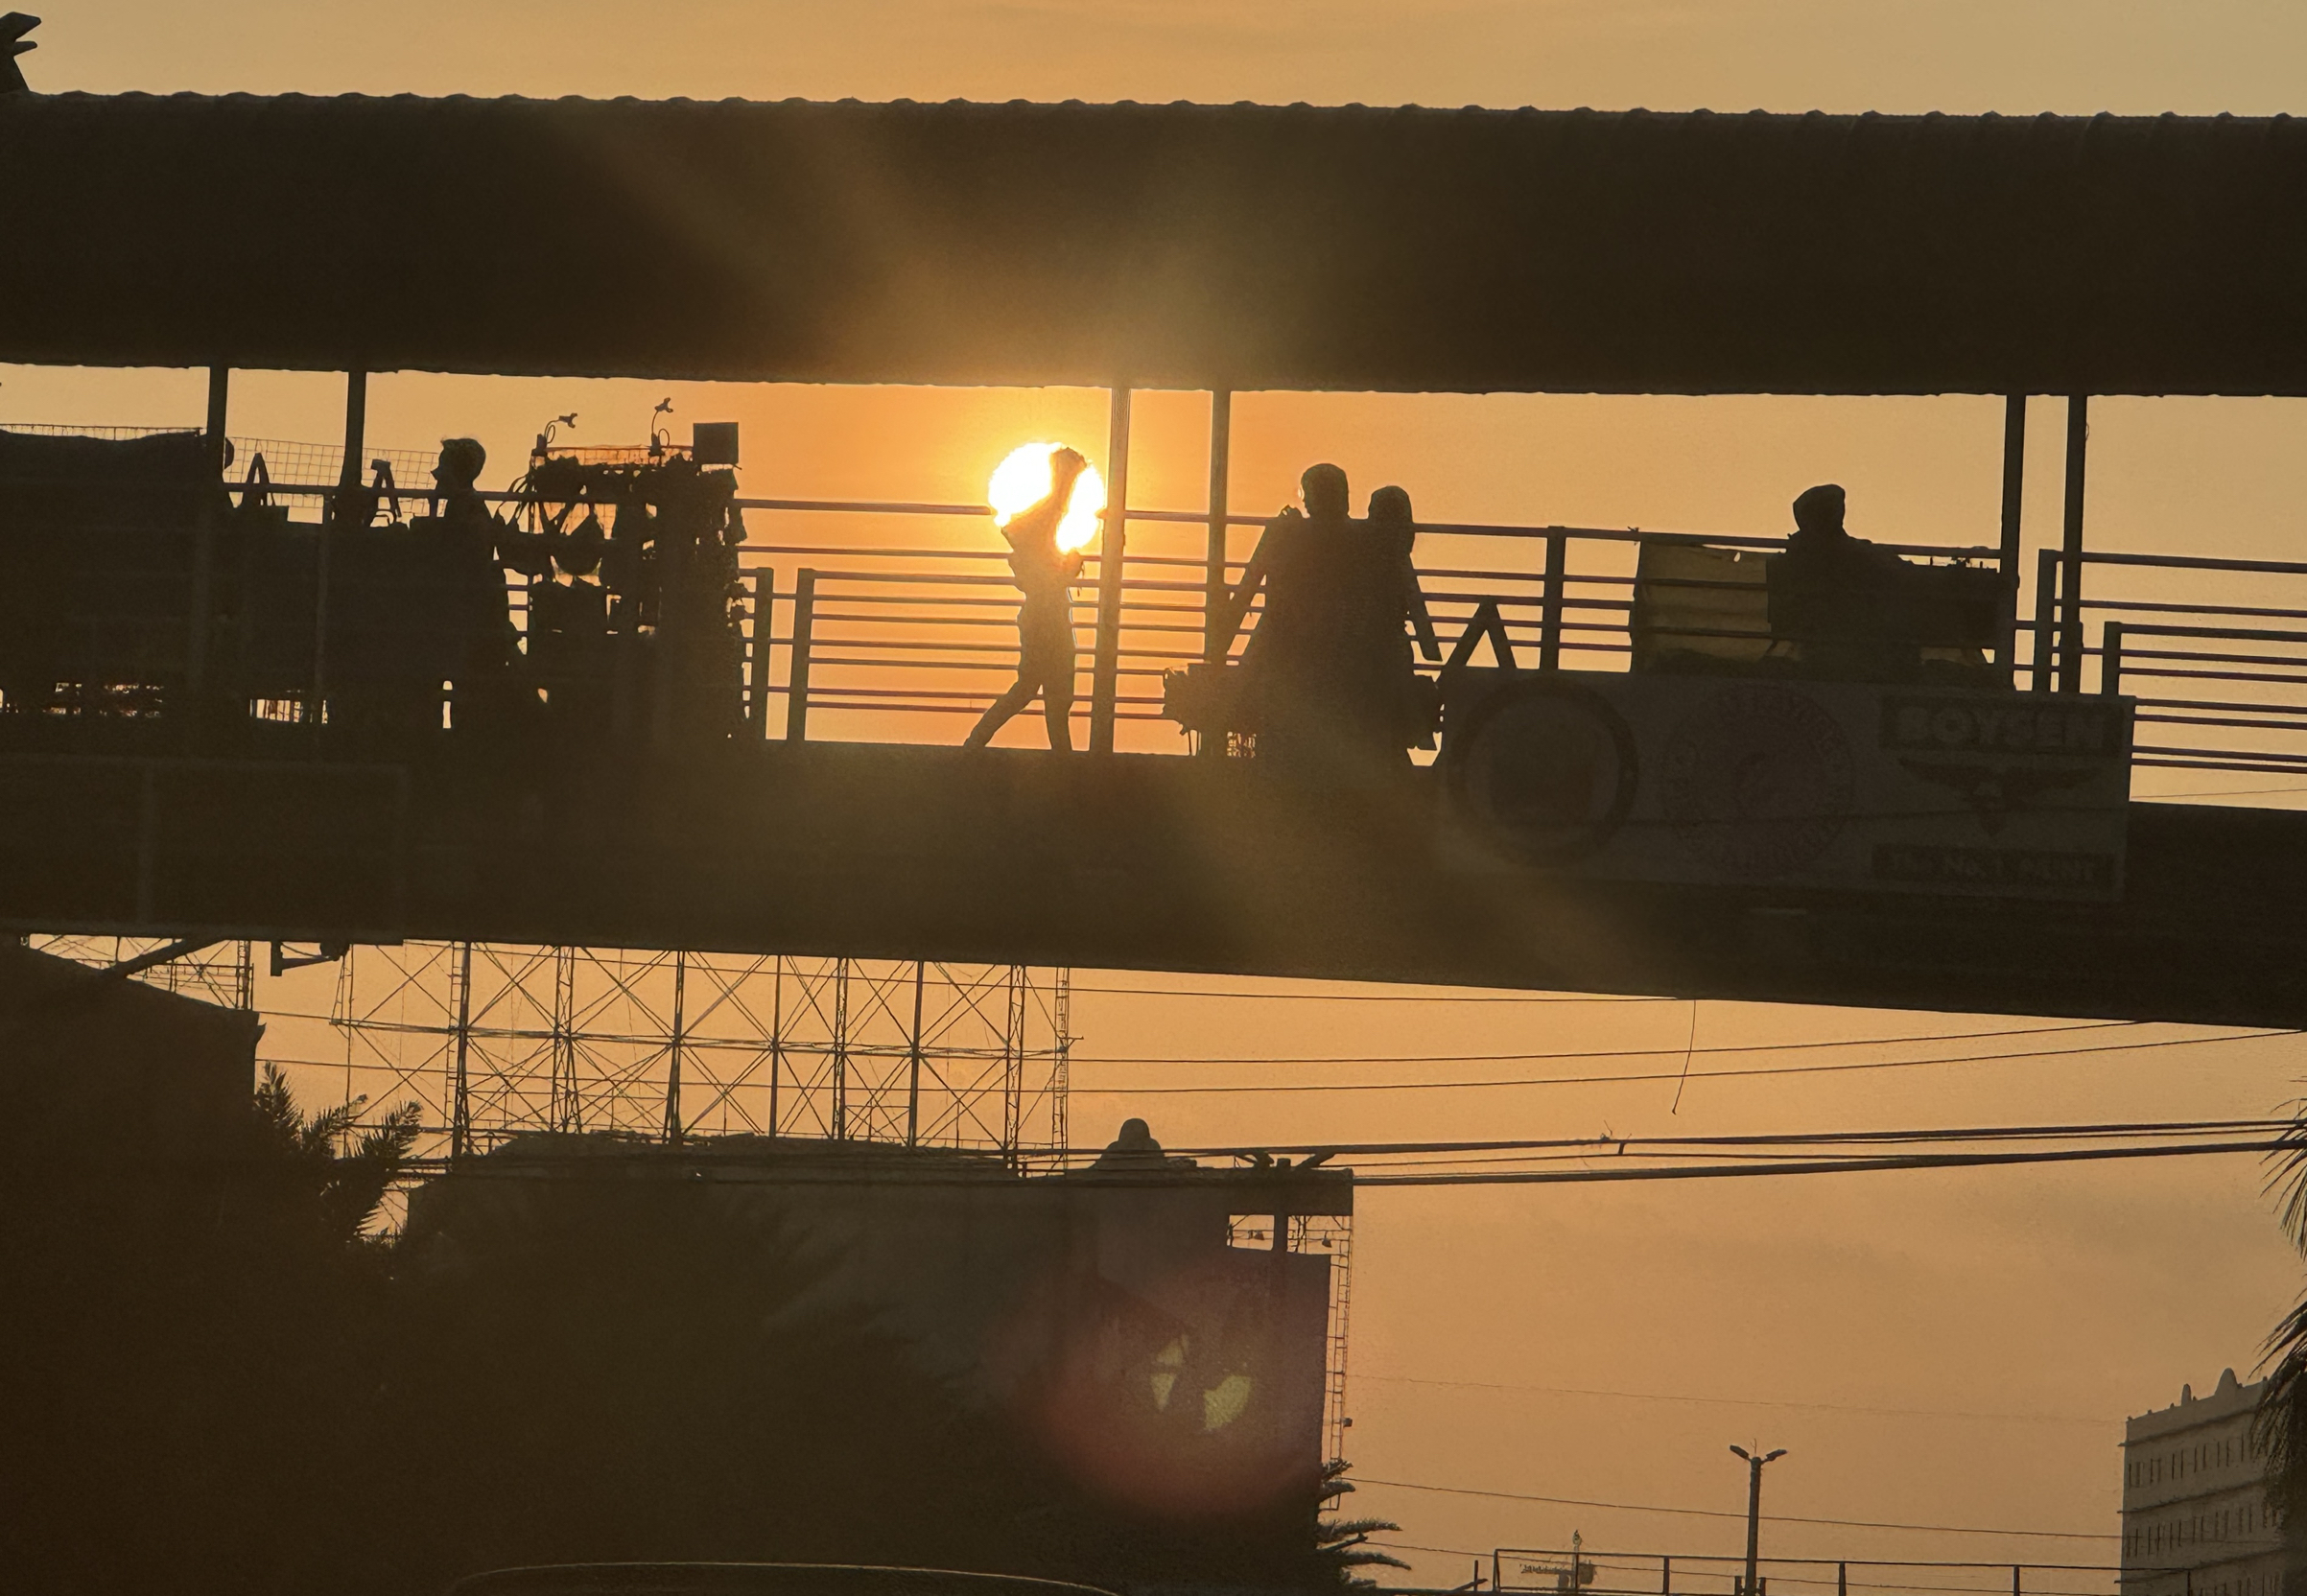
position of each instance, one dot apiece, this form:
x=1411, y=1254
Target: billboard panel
x=1720, y=780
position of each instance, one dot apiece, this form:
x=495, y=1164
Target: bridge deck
x=1122, y=861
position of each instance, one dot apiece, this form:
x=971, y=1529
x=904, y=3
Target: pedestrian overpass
x=1129, y=247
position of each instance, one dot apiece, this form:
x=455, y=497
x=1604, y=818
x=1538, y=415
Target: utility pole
x=1753, y=1512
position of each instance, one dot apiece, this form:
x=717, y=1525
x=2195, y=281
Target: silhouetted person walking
x=1046, y=649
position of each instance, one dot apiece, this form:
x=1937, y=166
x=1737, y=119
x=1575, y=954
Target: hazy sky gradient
x=2060, y=1299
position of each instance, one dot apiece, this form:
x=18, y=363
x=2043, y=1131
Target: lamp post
x=1753, y=1511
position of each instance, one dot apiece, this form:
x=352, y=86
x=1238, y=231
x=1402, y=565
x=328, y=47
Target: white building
x=2195, y=1515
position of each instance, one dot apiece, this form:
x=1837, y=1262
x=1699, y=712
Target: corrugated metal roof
x=1169, y=245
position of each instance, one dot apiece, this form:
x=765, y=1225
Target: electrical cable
x=1371, y=996
x=1081, y=1091
x=1716, y=1513
x=1640, y=1053
x=1745, y=1403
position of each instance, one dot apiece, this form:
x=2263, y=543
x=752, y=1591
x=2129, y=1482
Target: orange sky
x=2055, y=1300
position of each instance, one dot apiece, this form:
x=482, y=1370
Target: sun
x=1022, y=481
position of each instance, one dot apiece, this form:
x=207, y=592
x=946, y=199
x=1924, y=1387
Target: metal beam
x=349, y=483
x=1105, y=673
x=1216, y=591
x=2070, y=607
x=201, y=603
x=2015, y=479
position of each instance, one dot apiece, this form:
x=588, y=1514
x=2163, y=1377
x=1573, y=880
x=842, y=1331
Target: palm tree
x=2280, y=1429
x=345, y=1175
x=1341, y=1545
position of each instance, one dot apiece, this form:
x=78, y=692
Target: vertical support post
x=349, y=483
x=2070, y=619
x=460, y=1108
x=1549, y=635
x=2015, y=481
x=2111, y=659
x=1667, y=1577
x=841, y=1050
x=913, y=1066
x=1217, y=590
x=776, y=1038
x=672, y=1063
x=796, y=674
x=204, y=545
x=1842, y=1579
x=2046, y=614
x=765, y=598
x=2014, y=1590
x=568, y=1110
x=1013, y=1063
x=1494, y=1570
x=1105, y=673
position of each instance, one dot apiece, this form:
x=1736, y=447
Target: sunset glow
x=1022, y=481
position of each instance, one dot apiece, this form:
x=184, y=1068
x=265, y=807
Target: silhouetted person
x=476, y=605
x=1844, y=604
x=1293, y=660
x=1045, y=649
x=1397, y=610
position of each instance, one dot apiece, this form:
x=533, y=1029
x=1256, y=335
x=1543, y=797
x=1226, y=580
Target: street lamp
x=1753, y=1510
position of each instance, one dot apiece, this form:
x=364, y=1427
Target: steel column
x=1549, y=635
x=765, y=598
x=914, y=1068
x=2014, y=478
x=461, y=1111
x=796, y=674
x=2070, y=618
x=672, y=1063
x=348, y=482
x=1216, y=591
x=2046, y=616
x=1105, y=673
x=204, y=548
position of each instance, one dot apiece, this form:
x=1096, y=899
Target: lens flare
x=1023, y=481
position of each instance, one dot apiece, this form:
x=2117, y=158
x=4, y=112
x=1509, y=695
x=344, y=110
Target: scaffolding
x=222, y=972
x=492, y=1040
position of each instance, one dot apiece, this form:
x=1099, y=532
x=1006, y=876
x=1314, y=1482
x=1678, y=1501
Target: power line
x=1927, y=1134
x=1641, y=1052
x=1747, y=1402
x=1631, y=1077
x=1714, y=1513
x=1374, y=996
x=1818, y=1166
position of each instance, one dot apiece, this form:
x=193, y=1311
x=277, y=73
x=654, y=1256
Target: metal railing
x=1576, y=1571
x=893, y=634
x=2214, y=650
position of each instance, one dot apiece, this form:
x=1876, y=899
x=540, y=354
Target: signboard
x=1715, y=781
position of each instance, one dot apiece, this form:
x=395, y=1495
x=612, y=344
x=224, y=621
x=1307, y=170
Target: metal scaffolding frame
x=493, y=1040
x=222, y=972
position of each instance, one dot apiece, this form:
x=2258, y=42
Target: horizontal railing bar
x=2143, y=606
x=2129, y=653
x=2224, y=720
x=2238, y=634
x=2208, y=764
x=2169, y=673
x=2288, y=760
x=2197, y=562
x=2223, y=704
